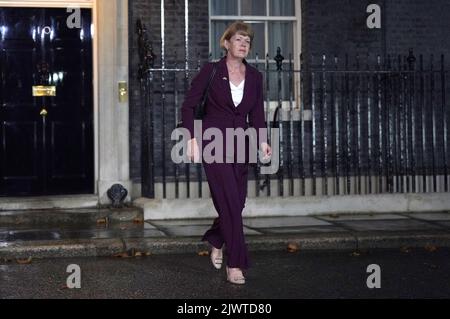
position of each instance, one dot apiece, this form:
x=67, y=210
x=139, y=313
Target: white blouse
x=237, y=92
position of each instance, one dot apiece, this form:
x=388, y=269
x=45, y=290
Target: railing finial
x=279, y=59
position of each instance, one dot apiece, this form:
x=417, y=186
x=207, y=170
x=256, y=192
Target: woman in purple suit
x=236, y=92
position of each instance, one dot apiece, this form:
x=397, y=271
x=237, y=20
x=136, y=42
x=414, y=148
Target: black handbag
x=200, y=107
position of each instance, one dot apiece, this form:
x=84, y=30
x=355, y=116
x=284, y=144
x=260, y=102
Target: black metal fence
x=377, y=125
x=389, y=121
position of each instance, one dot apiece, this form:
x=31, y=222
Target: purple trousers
x=228, y=185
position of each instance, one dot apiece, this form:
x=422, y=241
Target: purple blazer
x=220, y=109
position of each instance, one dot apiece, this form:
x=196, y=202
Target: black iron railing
x=375, y=125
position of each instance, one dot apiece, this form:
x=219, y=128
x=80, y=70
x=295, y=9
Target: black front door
x=46, y=102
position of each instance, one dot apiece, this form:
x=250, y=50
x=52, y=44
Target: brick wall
x=422, y=25
x=333, y=27
x=149, y=11
x=338, y=27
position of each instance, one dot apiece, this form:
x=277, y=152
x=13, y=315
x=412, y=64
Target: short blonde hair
x=238, y=27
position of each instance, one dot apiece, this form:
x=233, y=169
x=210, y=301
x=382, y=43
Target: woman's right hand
x=193, y=151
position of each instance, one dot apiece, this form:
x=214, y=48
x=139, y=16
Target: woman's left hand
x=266, y=150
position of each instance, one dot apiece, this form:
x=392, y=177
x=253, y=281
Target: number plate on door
x=44, y=90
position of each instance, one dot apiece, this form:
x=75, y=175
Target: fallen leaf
x=101, y=221
x=355, y=254
x=431, y=248
x=24, y=261
x=203, y=253
x=122, y=255
x=293, y=247
x=138, y=220
x=131, y=253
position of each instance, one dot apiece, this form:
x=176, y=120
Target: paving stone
x=341, y=217
x=303, y=230
x=191, y=230
x=270, y=222
x=431, y=216
x=387, y=225
x=248, y=231
x=180, y=222
x=443, y=223
x=138, y=233
x=196, y=230
x=144, y=233
x=149, y=226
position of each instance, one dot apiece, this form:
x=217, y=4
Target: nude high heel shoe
x=235, y=278
x=216, y=257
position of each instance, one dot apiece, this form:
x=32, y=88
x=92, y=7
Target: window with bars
x=275, y=23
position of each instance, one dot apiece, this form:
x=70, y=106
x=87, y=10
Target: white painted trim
x=297, y=49
x=113, y=143
x=266, y=41
x=48, y=3
x=262, y=18
x=298, y=31
x=186, y=31
x=209, y=27
x=95, y=95
x=296, y=19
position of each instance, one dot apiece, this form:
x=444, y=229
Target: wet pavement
x=345, y=224
x=321, y=256
x=404, y=273
x=22, y=237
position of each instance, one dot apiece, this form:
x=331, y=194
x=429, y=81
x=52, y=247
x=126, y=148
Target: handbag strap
x=205, y=93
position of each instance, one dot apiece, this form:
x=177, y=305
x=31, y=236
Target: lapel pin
x=224, y=78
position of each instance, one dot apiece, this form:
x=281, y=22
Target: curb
x=62, y=249
x=111, y=247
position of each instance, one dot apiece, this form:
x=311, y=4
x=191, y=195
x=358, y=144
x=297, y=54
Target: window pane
x=282, y=8
x=281, y=35
x=221, y=7
x=253, y=7
x=258, y=41
x=217, y=29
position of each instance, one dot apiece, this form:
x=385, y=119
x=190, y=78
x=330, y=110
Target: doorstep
x=48, y=202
